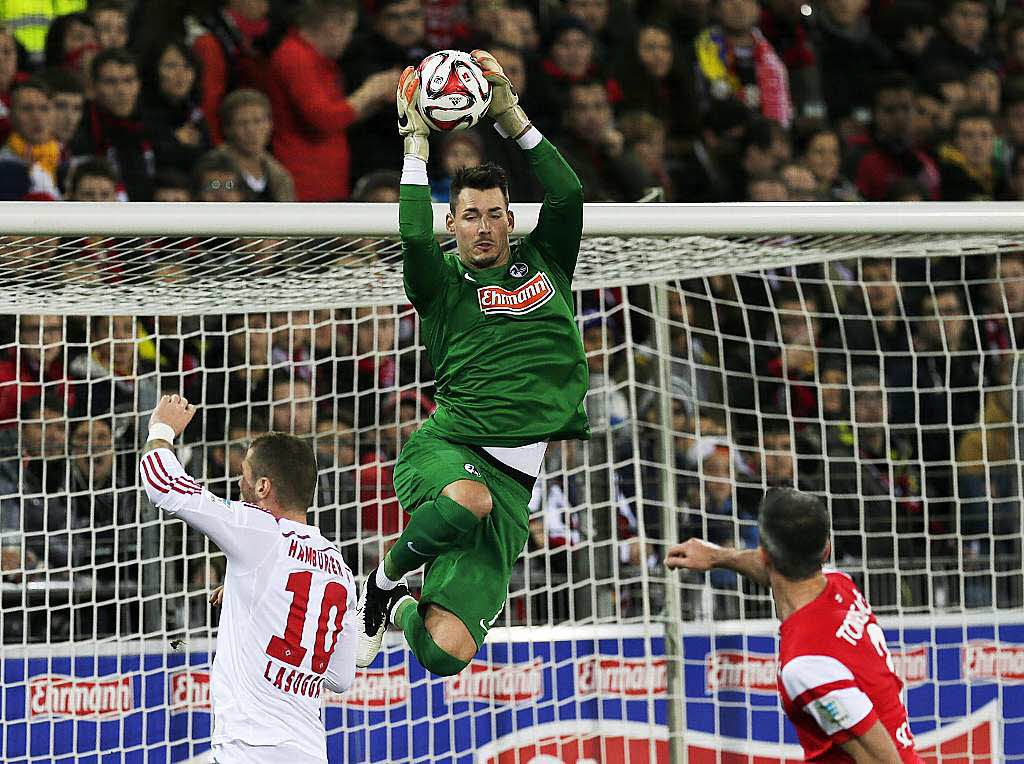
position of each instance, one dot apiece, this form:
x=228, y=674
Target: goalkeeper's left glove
x=411, y=125
x=505, y=110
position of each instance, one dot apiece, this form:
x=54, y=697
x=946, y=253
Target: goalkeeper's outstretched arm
x=694, y=554
x=421, y=254
x=560, y=225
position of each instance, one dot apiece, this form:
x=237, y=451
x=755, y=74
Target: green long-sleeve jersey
x=509, y=361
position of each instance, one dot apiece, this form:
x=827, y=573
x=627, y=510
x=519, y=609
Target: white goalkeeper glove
x=504, y=109
x=412, y=127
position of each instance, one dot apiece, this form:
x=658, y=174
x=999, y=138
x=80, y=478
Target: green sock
x=432, y=529
x=431, y=657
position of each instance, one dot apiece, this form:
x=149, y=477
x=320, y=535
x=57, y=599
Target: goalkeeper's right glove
x=504, y=109
x=411, y=125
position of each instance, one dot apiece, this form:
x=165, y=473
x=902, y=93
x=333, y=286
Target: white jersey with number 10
x=287, y=627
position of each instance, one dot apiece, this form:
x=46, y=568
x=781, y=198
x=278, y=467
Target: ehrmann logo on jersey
x=516, y=302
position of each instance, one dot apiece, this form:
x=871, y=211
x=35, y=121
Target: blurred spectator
x=311, y=111
x=874, y=489
x=227, y=43
x=103, y=519
x=170, y=106
x=875, y=327
x=845, y=36
x=796, y=361
x=930, y=120
x=458, y=150
x=835, y=392
x=246, y=119
x=593, y=146
x=968, y=167
x=71, y=45
x=962, y=38
x=68, y=103
x=571, y=59
x=907, y=26
x=762, y=148
x=707, y=171
x=238, y=376
x=171, y=186
x=645, y=141
x=93, y=180
x=8, y=71
x=613, y=31
x=735, y=60
x=30, y=22
x=791, y=32
x=378, y=186
x=31, y=141
x=1013, y=46
x=114, y=128
x=396, y=40
x=886, y=153
x=119, y=380
x=216, y=178
x=657, y=79
x=292, y=407
x=948, y=383
x=110, y=17
x=1013, y=119
x=820, y=150
x=984, y=90
x=33, y=367
x=606, y=403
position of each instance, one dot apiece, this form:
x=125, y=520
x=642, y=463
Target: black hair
x=169, y=177
x=890, y=81
x=214, y=161
x=290, y=465
x=62, y=81
x=112, y=55
x=481, y=178
x=151, y=66
x=311, y=13
x=794, y=532
x=962, y=116
x=372, y=181
x=32, y=83
x=94, y=167
x=53, y=46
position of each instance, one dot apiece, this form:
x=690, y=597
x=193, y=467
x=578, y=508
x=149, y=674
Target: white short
x=237, y=752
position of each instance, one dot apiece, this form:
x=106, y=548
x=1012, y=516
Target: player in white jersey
x=287, y=628
x=836, y=677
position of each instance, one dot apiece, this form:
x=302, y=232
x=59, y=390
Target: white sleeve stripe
x=840, y=709
x=805, y=672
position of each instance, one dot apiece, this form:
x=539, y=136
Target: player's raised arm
x=560, y=225
x=174, y=491
x=694, y=554
x=421, y=254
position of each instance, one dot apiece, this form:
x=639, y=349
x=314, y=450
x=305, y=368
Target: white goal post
x=870, y=353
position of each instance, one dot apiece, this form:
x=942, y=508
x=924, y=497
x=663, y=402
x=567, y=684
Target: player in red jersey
x=836, y=676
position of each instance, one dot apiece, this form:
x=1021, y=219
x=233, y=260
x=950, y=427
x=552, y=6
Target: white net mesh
x=879, y=371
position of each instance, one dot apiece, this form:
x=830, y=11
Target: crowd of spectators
x=671, y=100
x=888, y=386
x=891, y=387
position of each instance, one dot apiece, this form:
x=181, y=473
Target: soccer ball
x=454, y=93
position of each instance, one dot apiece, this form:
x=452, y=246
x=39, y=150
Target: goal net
x=867, y=353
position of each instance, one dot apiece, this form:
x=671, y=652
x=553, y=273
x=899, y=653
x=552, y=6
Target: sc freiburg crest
x=518, y=270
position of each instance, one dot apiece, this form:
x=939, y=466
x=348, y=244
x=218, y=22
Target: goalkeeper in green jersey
x=511, y=372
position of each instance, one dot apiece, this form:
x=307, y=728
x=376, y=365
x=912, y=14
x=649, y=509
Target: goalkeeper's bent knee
x=431, y=657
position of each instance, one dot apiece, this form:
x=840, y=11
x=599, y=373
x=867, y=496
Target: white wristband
x=414, y=171
x=530, y=138
x=161, y=431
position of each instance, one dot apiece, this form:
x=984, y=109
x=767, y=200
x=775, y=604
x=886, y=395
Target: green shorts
x=471, y=580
